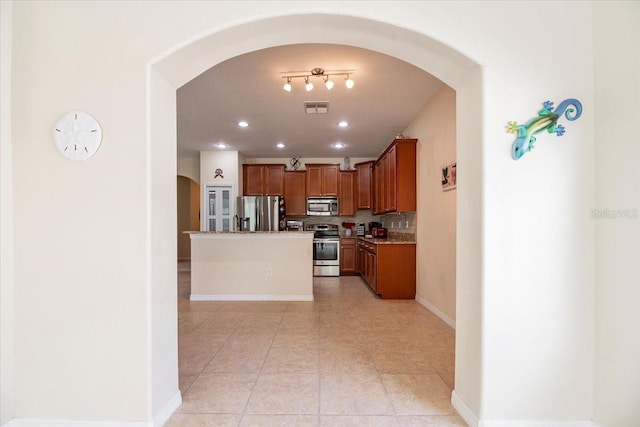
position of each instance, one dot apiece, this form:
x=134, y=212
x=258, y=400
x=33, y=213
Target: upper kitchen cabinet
x=395, y=178
x=347, y=187
x=322, y=179
x=364, y=185
x=295, y=198
x=263, y=180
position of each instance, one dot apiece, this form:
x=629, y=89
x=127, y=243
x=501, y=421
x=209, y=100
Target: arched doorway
x=176, y=68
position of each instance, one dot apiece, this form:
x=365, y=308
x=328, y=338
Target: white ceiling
x=387, y=95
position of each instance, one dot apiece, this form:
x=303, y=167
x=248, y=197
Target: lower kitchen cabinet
x=348, y=256
x=388, y=268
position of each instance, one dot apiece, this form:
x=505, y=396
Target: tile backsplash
x=402, y=223
x=361, y=216
x=400, y=226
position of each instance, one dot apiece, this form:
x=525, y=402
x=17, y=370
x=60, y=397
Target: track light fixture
x=321, y=73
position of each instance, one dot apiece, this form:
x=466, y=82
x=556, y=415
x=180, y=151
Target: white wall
x=81, y=296
x=228, y=161
x=435, y=128
x=538, y=242
x=617, y=85
x=256, y=267
x=524, y=338
x=162, y=327
x=469, y=375
x=225, y=160
x=7, y=324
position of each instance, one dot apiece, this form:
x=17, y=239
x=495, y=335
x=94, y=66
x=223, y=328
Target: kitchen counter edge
x=226, y=234
x=386, y=241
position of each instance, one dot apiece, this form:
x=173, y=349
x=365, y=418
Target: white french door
x=219, y=208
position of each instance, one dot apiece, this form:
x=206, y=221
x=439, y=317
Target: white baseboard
x=472, y=420
x=432, y=308
x=158, y=420
x=463, y=410
x=536, y=423
x=23, y=422
x=168, y=410
x=251, y=297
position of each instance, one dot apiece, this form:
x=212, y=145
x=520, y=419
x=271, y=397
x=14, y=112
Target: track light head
x=348, y=82
x=328, y=83
x=307, y=84
x=287, y=85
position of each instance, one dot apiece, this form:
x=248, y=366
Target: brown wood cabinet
x=392, y=180
x=348, y=262
x=263, y=180
x=380, y=183
x=347, y=189
x=379, y=265
x=375, y=189
x=322, y=179
x=295, y=198
x=367, y=263
x=252, y=180
x=395, y=178
x=364, y=185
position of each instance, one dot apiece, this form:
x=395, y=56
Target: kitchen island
x=251, y=266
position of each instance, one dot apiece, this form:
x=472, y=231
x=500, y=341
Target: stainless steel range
x=326, y=249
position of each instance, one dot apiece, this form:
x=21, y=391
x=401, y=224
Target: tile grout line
x=244, y=409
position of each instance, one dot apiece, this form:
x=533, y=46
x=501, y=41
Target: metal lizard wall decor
x=547, y=120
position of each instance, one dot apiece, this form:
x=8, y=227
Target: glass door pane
x=226, y=195
x=212, y=202
x=226, y=209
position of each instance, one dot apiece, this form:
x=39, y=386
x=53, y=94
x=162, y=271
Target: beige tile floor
x=345, y=359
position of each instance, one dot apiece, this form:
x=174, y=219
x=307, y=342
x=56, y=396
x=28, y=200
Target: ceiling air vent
x=316, y=107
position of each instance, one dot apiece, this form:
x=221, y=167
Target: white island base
x=269, y=266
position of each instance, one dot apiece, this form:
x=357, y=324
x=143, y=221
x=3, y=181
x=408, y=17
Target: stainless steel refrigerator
x=264, y=213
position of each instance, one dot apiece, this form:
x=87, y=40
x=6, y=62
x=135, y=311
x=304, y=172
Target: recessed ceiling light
x=243, y=124
x=343, y=124
x=338, y=145
x=221, y=145
x=280, y=145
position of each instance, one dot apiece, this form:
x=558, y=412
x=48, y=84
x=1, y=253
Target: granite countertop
x=248, y=232
x=388, y=241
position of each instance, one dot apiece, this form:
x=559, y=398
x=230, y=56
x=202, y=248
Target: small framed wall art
x=449, y=176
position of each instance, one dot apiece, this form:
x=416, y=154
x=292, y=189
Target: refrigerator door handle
x=256, y=214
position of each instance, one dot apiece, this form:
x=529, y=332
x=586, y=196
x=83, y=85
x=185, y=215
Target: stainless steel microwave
x=322, y=206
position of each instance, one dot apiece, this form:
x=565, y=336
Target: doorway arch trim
x=173, y=69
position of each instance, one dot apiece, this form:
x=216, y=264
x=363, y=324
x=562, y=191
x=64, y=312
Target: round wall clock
x=77, y=135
